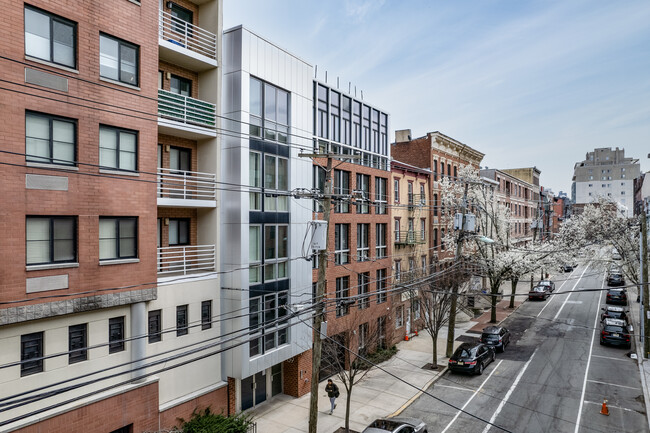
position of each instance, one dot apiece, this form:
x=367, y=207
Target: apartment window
x=381, y=195
x=116, y=334
x=49, y=37
x=269, y=176
x=322, y=95
x=155, y=326
x=181, y=320
x=118, y=60
x=435, y=169
x=50, y=139
x=50, y=240
x=449, y=171
x=363, y=337
x=396, y=190
x=415, y=308
x=335, y=116
x=269, y=112
x=398, y=270
x=455, y=172
x=423, y=195
x=255, y=254
x=380, y=241
x=397, y=234
x=342, y=187
x=206, y=315
x=423, y=228
x=423, y=265
x=180, y=158
x=442, y=239
x=399, y=316
x=255, y=180
x=180, y=17
x=363, y=280
x=268, y=322
x=117, y=238
x=180, y=86
x=179, y=231
x=341, y=243
x=342, y=293
x=435, y=205
x=363, y=249
x=118, y=148
x=409, y=194
x=363, y=185
x=31, y=353
x=381, y=286
x=442, y=170
x=77, y=343
x=276, y=252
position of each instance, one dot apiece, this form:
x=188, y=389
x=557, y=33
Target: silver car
x=396, y=425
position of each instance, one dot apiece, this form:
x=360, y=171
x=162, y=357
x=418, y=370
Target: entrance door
x=276, y=379
x=253, y=390
x=260, y=388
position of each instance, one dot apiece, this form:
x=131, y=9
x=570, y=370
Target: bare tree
x=435, y=300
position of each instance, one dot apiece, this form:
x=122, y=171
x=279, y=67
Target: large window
x=381, y=195
x=50, y=139
x=341, y=243
x=399, y=316
x=268, y=253
x=364, y=288
x=116, y=334
x=380, y=241
x=50, y=240
x=118, y=148
x=118, y=60
x=269, y=111
x=118, y=238
x=363, y=338
x=363, y=248
x=396, y=190
x=179, y=231
x=78, y=343
x=342, y=295
x=49, y=37
x=268, y=322
x=155, y=326
x=363, y=186
x=31, y=353
x=381, y=286
x=342, y=186
x=270, y=174
x=396, y=230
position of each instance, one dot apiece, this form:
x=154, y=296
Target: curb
x=418, y=394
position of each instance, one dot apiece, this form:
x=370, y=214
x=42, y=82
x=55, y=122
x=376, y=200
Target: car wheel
x=602, y=343
x=480, y=368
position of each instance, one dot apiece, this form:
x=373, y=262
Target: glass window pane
x=283, y=241
x=255, y=199
x=127, y=141
x=174, y=158
x=269, y=242
x=37, y=34
x=127, y=161
x=269, y=102
x=63, y=44
x=107, y=158
x=127, y=228
x=254, y=167
x=269, y=172
x=107, y=241
x=38, y=240
x=269, y=272
x=282, y=269
x=283, y=107
x=128, y=65
x=173, y=232
x=127, y=247
x=254, y=253
x=283, y=174
x=256, y=97
x=108, y=55
x=37, y=126
x=107, y=138
x=283, y=204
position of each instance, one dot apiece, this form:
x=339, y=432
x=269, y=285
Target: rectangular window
x=117, y=238
x=415, y=308
x=180, y=86
x=435, y=169
x=423, y=195
x=275, y=184
x=380, y=241
x=398, y=270
x=118, y=148
x=116, y=334
x=364, y=288
x=77, y=343
x=363, y=185
x=363, y=249
x=342, y=295
x=399, y=316
x=50, y=139
x=118, y=60
x=179, y=231
x=255, y=254
x=381, y=195
x=342, y=187
x=341, y=243
x=276, y=252
x=50, y=240
x=396, y=190
x=206, y=315
x=180, y=159
x=31, y=353
x=423, y=265
x=423, y=228
x=269, y=111
x=268, y=321
x=155, y=326
x=381, y=286
x=397, y=233
x=51, y=38
x=181, y=320
x=255, y=180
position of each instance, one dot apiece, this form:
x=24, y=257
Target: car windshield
x=463, y=353
x=385, y=424
x=539, y=289
x=490, y=337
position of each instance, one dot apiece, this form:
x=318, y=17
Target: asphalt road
x=553, y=376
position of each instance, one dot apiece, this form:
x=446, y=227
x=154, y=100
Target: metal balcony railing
x=182, y=260
x=186, y=35
x=186, y=110
x=186, y=185
x=415, y=201
x=410, y=237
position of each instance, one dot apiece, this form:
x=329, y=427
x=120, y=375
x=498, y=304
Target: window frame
x=120, y=43
x=116, y=344
x=342, y=291
x=52, y=18
x=382, y=276
x=78, y=334
x=262, y=122
x=117, y=238
x=363, y=280
x=182, y=320
x=381, y=230
x=51, y=240
x=28, y=367
x=50, y=158
x=206, y=314
x=118, y=131
x=341, y=254
x=363, y=242
x=381, y=195
x=154, y=319
x=341, y=186
x=178, y=221
x=363, y=185
x=181, y=81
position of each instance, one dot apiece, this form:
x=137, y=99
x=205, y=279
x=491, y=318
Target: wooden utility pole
x=645, y=308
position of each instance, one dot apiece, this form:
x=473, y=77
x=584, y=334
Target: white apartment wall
x=621, y=190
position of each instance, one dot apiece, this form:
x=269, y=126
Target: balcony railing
x=187, y=35
x=410, y=237
x=186, y=110
x=186, y=185
x=415, y=201
x=183, y=260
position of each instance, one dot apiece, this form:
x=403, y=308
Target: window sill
x=119, y=83
x=119, y=172
x=135, y=2
x=29, y=268
x=52, y=64
x=117, y=262
x=51, y=166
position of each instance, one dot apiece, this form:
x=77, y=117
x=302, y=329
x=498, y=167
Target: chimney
x=402, y=135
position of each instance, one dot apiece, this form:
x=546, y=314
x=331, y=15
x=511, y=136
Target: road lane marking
x=591, y=348
x=569, y=295
x=509, y=393
x=471, y=398
x=610, y=406
x=610, y=357
x=613, y=384
x=558, y=290
x=437, y=385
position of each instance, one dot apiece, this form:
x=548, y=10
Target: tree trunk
x=434, y=363
x=493, y=301
x=514, y=290
x=347, y=409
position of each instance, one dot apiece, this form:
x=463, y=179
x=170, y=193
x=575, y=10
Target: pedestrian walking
x=332, y=392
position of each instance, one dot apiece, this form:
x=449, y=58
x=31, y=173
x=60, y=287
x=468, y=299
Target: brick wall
x=168, y=140
x=232, y=395
x=181, y=72
x=297, y=374
x=216, y=400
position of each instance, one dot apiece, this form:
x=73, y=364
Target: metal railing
x=186, y=110
x=187, y=35
x=416, y=201
x=182, y=260
x=186, y=185
x=411, y=237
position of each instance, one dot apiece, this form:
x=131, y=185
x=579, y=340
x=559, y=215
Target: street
x=553, y=376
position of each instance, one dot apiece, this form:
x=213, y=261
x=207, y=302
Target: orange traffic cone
x=406, y=338
x=604, y=410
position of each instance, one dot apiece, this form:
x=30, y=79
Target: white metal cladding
x=187, y=35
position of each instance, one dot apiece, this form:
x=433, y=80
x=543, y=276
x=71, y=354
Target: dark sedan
x=396, y=425
x=471, y=358
x=615, y=278
x=616, y=296
x=538, y=292
x=496, y=336
x=615, y=333
x=614, y=312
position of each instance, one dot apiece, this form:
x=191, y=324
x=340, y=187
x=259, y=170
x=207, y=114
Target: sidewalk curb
x=419, y=393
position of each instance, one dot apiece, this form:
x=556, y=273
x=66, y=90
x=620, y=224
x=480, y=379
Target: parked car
x=396, y=425
x=496, y=336
x=567, y=267
x=614, y=312
x=548, y=283
x=616, y=296
x=471, y=358
x=614, y=332
x=615, y=277
x=538, y=292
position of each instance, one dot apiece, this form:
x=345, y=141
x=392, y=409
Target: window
x=364, y=287
x=409, y=193
x=363, y=337
x=181, y=320
x=335, y=113
x=342, y=293
x=118, y=148
x=423, y=195
x=399, y=316
x=341, y=243
x=31, y=353
x=423, y=229
x=179, y=231
x=268, y=320
x=415, y=308
x=381, y=332
x=50, y=240
x=180, y=86
x=396, y=190
x=255, y=180
x=206, y=315
x=435, y=169
x=50, y=38
x=442, y=170
x=381, y=195
x=255, y=254
x=118, y=60
x=455, y=172
x=449, y=171
x=50, y=139
x=381, y=286
x=271, y=181
x=269, y=112
x=396, y=230
x=180, y=158
x=322, y=94
x=180, y=17
x=117, y=238
x=341, y=186
x=276, y=252
x=363, y=250
x=116, y=334
x=363, y=185
x=398, y=270
x=423, y=265
x=77, y=343
x=442, y=239
x=380, y=241
x=155, y=326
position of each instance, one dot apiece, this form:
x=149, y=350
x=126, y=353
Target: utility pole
x=645, y=305
x=454, y=294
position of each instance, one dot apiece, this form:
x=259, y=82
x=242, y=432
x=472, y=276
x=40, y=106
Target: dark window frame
x=206, y=314
x=154, y=323
x=127, y=44
x=117, y=238
x=27, y=341
x=62, y=20
x=181, y=150
x=116, y=339
x=78, y=334
x=117, y=131
x=182, y=320
x=181, y=80
x=187, y=221
x=51, y=118
x=51, y=239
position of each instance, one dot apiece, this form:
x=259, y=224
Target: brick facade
x=216, y=400
x=297, y=374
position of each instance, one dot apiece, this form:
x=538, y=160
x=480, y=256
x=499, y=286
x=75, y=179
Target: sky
x=528, y=83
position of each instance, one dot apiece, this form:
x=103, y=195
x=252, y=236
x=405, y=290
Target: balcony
x=412, y=237
x=185, y=44
x=415, y=201
x=183, y=260
x=179, y=188
x=186, y=117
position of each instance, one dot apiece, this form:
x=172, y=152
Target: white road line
x=553, y=297
x=591, y=347
x=614, y=384
x=569, y=295
x=471, y=398
x=437, y=385
x=610, y=357
x=509, y=393
x=610, y=406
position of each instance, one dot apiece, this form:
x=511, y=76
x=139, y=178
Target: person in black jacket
x=332, y=392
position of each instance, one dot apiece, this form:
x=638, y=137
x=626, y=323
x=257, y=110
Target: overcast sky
x=525, y=82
